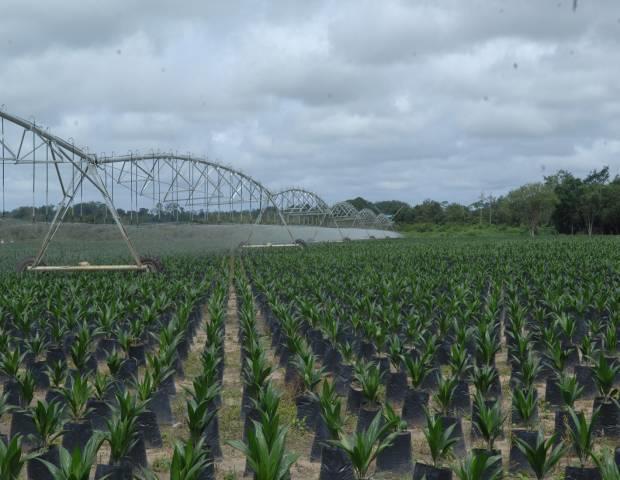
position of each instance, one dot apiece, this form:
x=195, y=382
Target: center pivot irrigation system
x=207, y=191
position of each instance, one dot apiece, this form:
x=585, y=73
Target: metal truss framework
x=208, y=191
x=303, y=207
x=72, y=167
x=196, y=188
x=347, y=215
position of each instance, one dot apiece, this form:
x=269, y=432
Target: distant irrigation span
x=182, y=187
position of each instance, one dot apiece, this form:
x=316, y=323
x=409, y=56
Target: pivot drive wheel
x=23, y=265
x=152, y=264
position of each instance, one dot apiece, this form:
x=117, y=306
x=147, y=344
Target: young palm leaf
x=542, y=456
x=582, y=434
x=268, y=462
x=12, y=459
x=363, y=447
x=47, y=419
x=475, y=467
x=330, y=407
x=76, y=465
x=417, y=369
x=445, y=394
x=605, y=376
x=570, y=389
x=524, y=402
x=607, y=466
x=440, y=439
x=489, y=420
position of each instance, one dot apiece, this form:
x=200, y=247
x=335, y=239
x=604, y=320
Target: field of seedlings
x=468, y=359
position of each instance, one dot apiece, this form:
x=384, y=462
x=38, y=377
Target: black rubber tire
x=23, y=265
x=153, y=264
x=301, y=243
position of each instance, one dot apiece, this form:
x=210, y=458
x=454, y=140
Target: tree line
x=563, y=201
x=97, y=213
x=569, y=204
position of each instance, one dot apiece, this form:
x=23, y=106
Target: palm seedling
x=587, y=348
x=556, y=356
x=21, y=397
x=570, y=390
x=609, y=340
x=26, y=386
x=57, y=373
x=459, y=361
x=266, y=405
x=211, y=361
x=363, y=447
x=48, y=421
x=604, y=376
x=189, y=460
x=310, y=375
x=122, y=430
x=429, y=346
x=530, y=369
x=445, y=395
x=520, y=345
x=114, y=361
x=440, y=439
x=256, y=371
x=566, y=325
x=199, y=415
x=484, y=378
x=10, y=362
x=12, y=458
x=76, y=465
x=268, y=460
x=78, y=428
x=395, y=352
x=525, y=405
x=265, y=449
x=121, y=435
x=330, y=407
x=36, y=347
x=147, y=418
x=582, y=434
x=379, y=335
x=477, y=466
x=487, y=345
x=542, y=456
x=107, y=316
x=607, y=466
x=5, y=406
x=368, y=375
x=347, y=352
x=77, y=396
x=392, y=420
x=488, y=421
x=100, y=383
x=80, y=351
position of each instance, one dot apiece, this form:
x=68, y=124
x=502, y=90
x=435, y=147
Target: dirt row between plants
x=299, y=439
x=232, y=464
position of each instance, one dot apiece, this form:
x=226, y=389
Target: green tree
x=532, y=204
x=592, y=201
x=569, y=191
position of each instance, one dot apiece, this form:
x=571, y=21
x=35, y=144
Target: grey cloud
x=393, y=99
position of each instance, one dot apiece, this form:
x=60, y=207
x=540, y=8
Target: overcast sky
x=383, y=99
